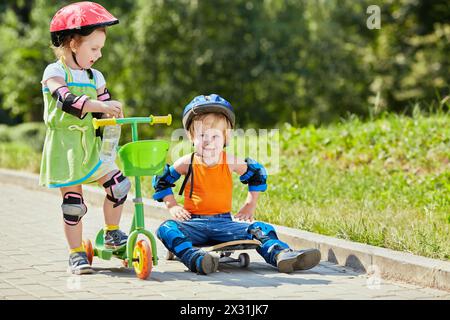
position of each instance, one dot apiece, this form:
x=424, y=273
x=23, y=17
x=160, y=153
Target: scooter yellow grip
x=103, y=122
x=161, y=119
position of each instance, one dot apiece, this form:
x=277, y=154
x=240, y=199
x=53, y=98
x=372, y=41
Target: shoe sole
x=306, y=260
x=210, y=264
x=80, y=271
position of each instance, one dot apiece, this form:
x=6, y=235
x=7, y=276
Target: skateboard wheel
x=226, y=254
x=142, y=259
x=87, y=245
x=169, y=255
x=244, y=260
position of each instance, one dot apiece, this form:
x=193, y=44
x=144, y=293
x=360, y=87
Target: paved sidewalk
x=34, y=261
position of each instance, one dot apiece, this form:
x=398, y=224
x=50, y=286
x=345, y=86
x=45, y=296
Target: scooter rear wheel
x=87, y=245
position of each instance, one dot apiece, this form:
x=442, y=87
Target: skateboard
x=226, y=249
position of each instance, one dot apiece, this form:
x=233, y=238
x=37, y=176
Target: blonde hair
x=65, y=45
x=218, y=120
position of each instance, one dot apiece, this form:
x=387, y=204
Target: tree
x=275, y=60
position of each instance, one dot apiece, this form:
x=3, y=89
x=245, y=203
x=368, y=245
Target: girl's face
x=208, y=140
x=90, y=48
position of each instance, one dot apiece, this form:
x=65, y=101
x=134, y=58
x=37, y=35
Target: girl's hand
x=113, y=109
x=180, y=213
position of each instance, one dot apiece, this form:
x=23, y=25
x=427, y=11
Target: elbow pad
x=255, y=176
x=68, y=102
x=164, y=183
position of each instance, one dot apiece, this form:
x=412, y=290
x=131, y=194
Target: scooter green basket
x=143, y=158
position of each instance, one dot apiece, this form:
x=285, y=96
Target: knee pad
x=73, y=208
x=262, y=231
x=119, y=185
x=170, y=234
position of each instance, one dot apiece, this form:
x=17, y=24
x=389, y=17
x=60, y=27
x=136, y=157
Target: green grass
x=384, y=182
x=19, y=156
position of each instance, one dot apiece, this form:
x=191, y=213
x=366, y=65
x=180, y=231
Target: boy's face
x=89, y=51
x=208, y=138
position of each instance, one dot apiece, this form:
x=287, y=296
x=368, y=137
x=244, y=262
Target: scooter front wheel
x=142, y=259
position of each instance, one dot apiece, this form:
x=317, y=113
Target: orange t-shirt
x=213, y=188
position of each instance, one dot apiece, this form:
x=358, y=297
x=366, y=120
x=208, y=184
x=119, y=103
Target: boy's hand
x=180, y=213
x=245, y=214
x=247, y=211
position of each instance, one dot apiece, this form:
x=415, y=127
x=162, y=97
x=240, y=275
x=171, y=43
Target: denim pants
x=182, y=237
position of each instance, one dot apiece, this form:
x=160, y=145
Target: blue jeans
x=181, y=238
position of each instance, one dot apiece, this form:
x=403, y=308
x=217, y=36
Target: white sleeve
x=99, y=78
x=53, y=70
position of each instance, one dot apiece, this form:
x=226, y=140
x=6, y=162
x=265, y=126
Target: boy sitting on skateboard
x=205, y=218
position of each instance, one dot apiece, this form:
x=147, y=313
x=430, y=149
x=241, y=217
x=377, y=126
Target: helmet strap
x=89, y=71
x=75, y=59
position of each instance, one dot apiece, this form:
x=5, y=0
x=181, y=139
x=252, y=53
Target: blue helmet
x=207, y=104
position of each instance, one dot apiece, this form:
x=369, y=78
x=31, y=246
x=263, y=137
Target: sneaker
x=79, y=264
x=289, y=260
x=208, y=263
x=115, y=239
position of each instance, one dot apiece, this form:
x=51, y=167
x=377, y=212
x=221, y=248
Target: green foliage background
x=300, y=61
x=383, y=182
x=363, y=114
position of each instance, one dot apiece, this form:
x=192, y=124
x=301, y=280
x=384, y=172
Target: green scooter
x=139, y=158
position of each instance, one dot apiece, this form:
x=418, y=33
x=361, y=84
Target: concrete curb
x=376, y=261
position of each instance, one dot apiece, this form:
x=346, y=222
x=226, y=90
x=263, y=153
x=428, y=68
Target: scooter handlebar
x=161, y=119
x=150, y=120
x=103, y=122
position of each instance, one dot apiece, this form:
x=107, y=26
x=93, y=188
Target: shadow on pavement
x=351, y=261
x=258, y=274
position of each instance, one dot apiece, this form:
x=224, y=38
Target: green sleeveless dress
x=71, y=149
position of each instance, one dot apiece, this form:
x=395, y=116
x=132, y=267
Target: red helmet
x=81, y=18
